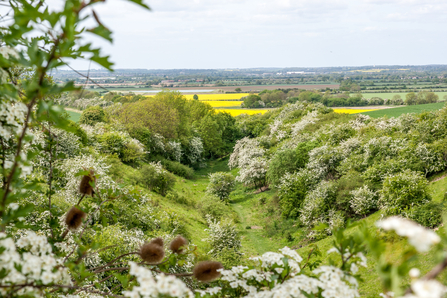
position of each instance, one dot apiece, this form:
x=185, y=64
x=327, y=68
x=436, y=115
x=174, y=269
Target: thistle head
x=178, y=244
x=152, y=253
x=206, y=271
x=84, y=187
x=158, y=241
x=74, y=218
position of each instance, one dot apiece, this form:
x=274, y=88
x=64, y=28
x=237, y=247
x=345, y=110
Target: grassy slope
x=251, y=211
x=396, y=112
x=371, y=285
x=390, y=95
x=74, y=116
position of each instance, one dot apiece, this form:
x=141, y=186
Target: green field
x=396, y=112
x=389, y=95
x=74, y=116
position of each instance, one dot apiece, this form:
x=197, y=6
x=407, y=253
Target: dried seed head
x=152, y=253
x=158, y=241
x=178, y=244
x=207, y=271
x=74, y=218
x=84, y=187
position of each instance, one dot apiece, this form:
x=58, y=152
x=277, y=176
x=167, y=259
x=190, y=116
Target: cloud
x=252, y=33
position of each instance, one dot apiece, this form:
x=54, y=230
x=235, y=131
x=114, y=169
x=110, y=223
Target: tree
x=195, y=97
x=410, y=99
x=431, y=97
x=92, y=115
x=221, y=185
x=238, y=89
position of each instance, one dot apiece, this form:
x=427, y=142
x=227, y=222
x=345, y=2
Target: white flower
x=418, y=236
x=414, y=273
x=428, y=289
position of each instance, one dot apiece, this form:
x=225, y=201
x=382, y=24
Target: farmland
x=396, y=112
x=237, y=112
x=351, y=111
x=223, y=103
x=389, y=95
x=213, y=97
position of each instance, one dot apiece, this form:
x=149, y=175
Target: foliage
x=221, y=185
x=403, y=191
x=428, y=215
x=156, y=178
x=363, y=201
x=289, y=161
x=222, y=235
x=177, y=168
x=93, y=115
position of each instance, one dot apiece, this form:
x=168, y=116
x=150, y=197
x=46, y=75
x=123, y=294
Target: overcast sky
x=275, y=33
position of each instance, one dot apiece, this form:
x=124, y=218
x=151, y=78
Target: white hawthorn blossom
x=421, y=238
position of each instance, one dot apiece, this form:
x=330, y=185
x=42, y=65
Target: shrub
x=403, y=191
x=292, y=191
x=289, y=161
x=429, y=215
x=113, y=143
x=177, y=168
x=221, y=184
x=156, y=178
x=318, y=203
x=363, y=200
x=92, y=115
x=211, y=205
x=222, y=235
x=345, y=185
x=380, y=170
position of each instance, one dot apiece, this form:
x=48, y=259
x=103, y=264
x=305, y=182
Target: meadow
x=396, y=112
x=389, y=95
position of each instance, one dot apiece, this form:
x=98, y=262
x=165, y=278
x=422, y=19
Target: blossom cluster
x=421, y=238
x=266, y=278
x=12, y=115
x=160, y=285
x=29, y=260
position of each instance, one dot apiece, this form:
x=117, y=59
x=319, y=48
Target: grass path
x=253, y=240
x=244, y=203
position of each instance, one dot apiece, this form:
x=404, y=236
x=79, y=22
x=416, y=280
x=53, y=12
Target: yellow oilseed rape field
x=223, y=103
x=212, y=97
x=237, y=112
x=352, y=111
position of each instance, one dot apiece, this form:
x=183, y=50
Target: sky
x=203, y=34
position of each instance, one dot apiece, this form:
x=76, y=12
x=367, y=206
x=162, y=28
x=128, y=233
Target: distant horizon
x=263, y=67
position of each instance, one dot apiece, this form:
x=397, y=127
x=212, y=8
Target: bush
x=428, y=215
x=113, y=143
x=177, y=168
x=92, y=115
x=221, y=185
x=291, y=192
x=211, y=205
x=289, y=161
x=318, y=204
x=345, y=185
x=403, y=191
x=363, y=200
x=223, y=235
x=156, y=178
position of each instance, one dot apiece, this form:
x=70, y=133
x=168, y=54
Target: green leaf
x=140, y=2
x=102, y=31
